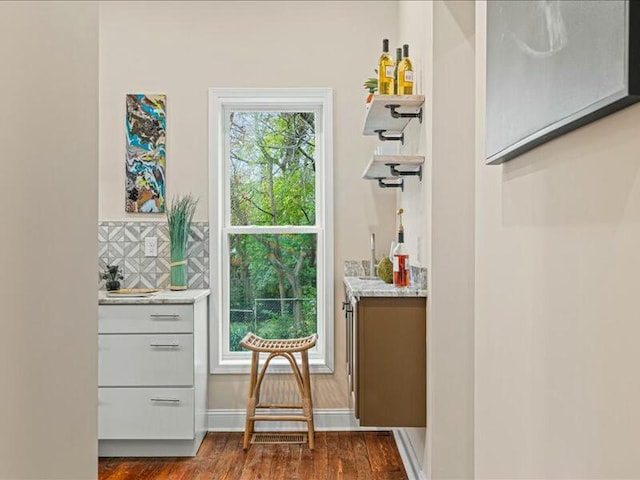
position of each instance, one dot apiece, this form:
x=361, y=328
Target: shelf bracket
x=383, y=184
x=399, y=173
x=384, y=138
x=395, y=114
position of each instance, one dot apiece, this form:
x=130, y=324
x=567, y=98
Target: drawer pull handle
x=165, y=345
x=159, y=316
x=169, y=400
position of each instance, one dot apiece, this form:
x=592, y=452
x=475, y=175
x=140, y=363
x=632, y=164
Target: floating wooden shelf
x=381, y=111
x=380, y=166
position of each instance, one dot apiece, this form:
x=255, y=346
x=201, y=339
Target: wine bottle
x=405, y=73
x=395, y=70
x=385, y=70
x=400, y=258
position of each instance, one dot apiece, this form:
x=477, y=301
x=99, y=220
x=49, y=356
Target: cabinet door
x=391, y=361
x=347, y=306
x=145, y=360
x=145, y=319
x=146, y=413
x=355, y=376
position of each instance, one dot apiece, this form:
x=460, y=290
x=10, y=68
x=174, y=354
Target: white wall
x=557, y=308
x=441, y=213
x=182, y=48
x=48, y=189
x=415, y=28
x=413, y=21
x=451, y=293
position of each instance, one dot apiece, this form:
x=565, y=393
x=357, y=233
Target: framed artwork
x=554, y=66
x=146, y=153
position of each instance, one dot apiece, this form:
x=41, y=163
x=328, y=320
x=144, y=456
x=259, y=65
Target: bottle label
x=388, y=71
x=408, y=76
x=401, y=271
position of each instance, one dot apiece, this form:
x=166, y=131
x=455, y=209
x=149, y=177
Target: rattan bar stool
x=286, y=349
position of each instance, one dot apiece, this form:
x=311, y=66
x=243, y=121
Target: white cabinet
x=140, y=318
x=152, y=357
x=146, y=413
x=143, y=360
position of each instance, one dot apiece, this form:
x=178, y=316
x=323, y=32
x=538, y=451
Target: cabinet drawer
x=146, y=413
x=145, y=319
x=145, y=360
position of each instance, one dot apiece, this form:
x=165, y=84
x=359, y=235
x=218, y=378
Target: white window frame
x=221, y=101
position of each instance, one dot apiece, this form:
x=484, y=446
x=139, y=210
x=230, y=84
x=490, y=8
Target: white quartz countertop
x=357, y=287
x=162, y=297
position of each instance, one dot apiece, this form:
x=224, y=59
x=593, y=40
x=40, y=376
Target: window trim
x=220, y=101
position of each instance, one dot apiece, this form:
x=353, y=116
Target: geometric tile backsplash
x=122, y=243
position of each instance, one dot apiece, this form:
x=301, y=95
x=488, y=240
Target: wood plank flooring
x=338, y=455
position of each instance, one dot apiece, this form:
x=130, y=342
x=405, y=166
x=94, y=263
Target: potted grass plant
x=179, y=216
x=371, y=85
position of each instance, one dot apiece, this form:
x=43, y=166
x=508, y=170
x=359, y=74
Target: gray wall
x=48, y=192
x=450, y=316
x=556, y=326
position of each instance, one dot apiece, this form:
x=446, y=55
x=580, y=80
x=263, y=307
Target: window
x=270, y=217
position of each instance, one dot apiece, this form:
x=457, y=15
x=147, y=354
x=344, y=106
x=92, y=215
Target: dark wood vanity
x=386, y=359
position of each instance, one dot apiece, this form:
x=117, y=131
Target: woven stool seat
x=279, y=348
x=258, y=344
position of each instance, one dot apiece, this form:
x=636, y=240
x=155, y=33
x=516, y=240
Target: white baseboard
x=232, y=420
x=408, y=455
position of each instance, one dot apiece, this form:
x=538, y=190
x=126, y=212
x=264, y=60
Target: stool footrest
x=262, y=438
x=279, y=405
x=279, y=418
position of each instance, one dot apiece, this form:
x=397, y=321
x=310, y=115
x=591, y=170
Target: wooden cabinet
x=386, y=356
x=152, y=375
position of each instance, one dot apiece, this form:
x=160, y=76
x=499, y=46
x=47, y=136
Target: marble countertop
x=358, y=287
x=160, y=298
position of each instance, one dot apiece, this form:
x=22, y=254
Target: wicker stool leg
x=307, y=403
x=285, y=348
x=252, y=401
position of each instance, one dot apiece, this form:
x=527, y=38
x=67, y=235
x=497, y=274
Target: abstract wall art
x=146, y=153
x=554, y=66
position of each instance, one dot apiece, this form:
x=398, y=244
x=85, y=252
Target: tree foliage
x=272, y=182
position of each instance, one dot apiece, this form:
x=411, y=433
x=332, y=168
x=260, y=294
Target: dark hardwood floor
x=338, y=455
